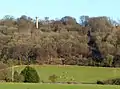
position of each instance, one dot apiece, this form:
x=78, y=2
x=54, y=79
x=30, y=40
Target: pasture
x=54, y=86
x=74, y=73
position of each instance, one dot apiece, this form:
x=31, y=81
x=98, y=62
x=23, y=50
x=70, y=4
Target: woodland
x=62, y=41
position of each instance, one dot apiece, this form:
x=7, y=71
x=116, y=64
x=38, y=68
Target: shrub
x=7, y=79
x=109, y=60
x=18, y=77
x=30, y=75
x=100, y=82
x=5, y=74
x=115, y=81
x=53, y=78
x=21, y=78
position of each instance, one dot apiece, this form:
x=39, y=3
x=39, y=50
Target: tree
x=30, y=75
x=84, y=20
x=18, y=77
x=109, y=60
x=102, y=23
x=5, y=73
x=24, y=23
x=8, y=17
x=69, y=20
x=46, y=18
x=9, y=21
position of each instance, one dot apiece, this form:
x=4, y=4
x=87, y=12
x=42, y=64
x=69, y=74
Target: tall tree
x=84, y=20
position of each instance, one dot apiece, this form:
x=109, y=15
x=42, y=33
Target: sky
x=60, y=8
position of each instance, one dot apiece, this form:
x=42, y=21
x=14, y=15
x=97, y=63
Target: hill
x=61, y=41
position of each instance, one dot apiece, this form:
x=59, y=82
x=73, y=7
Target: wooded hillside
x=62, y=41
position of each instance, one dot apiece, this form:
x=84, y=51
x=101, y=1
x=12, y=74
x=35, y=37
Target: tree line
x=62, y=41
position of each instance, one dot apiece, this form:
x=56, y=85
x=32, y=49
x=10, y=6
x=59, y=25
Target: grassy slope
x=54, y=86
x=81, y=74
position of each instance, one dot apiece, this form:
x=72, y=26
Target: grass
x=77, y=73
x=54, y=86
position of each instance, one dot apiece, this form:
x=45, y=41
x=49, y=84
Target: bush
x=109, y=60
x=18, y=77
x=100, y=82
x=21, y=78
x=30, y=75
x=115, y=81
x=5, y=74
x=53, y=78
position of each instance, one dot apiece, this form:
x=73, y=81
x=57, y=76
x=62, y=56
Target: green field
x=54, y=86
x=79, y=74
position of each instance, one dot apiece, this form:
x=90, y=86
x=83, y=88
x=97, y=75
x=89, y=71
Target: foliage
x=30, y=75
x=64, y=40
x=115, y=81
x=109, y=60
x=18, y=77
x=5, y=72
x=100, y=82
x=53, y=78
